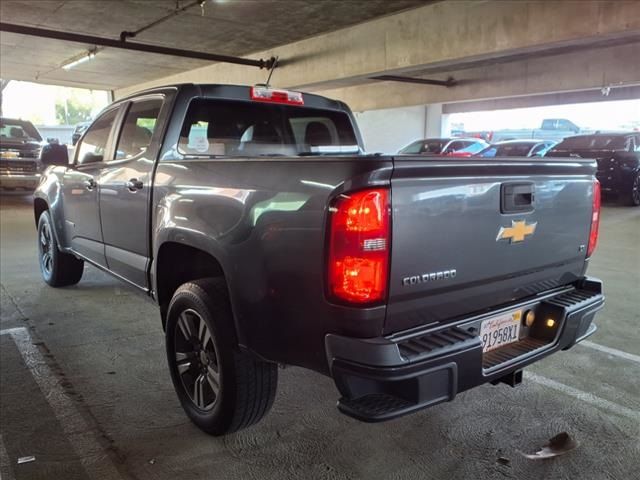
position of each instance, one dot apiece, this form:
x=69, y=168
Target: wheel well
x=39, y=206
x=178, y=264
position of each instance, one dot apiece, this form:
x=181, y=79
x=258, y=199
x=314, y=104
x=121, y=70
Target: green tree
x=72, y=111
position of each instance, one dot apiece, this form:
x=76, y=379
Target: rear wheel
x=632, y=197
x=221, y=388
x=58, y=269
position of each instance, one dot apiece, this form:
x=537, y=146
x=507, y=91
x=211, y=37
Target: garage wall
x=388, y=130
x=570, y=72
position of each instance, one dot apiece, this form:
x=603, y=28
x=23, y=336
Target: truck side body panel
x=263, y=221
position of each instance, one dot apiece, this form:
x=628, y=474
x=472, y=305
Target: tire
x=58, y=269
x=221, y=388
x=632, y=196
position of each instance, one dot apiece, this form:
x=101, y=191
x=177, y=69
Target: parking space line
x=91, y=454
x=5, y=465
x=585, y=396
x=611, y=351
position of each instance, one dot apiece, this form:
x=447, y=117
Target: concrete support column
x=433, y=127
x=388, y=130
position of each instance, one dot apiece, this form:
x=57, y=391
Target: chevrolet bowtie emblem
x=517, y=232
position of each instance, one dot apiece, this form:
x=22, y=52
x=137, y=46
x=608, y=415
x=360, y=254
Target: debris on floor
x=503, y=461
x=558, y=445
x=152, y=461
x=27, y=459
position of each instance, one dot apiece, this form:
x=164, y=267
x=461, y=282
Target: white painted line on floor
x=92, y=456
x=585, y=396
x=6, y=473
x=611, y=351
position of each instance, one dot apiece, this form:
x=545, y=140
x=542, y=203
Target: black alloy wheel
x=635, y=191
x=45, y=249
x=197, y=360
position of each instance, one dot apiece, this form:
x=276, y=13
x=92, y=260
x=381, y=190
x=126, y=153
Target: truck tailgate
x=467, y=237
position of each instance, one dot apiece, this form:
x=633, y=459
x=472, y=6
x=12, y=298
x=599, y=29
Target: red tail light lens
x=595, y=219
x=359, y=247
x=270, y=95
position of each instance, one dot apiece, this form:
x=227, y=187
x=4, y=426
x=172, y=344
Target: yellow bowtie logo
x=517, y=232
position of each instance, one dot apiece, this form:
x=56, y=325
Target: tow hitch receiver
x=512, y=379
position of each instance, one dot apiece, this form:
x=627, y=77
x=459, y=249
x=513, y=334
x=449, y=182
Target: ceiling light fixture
x=77, y=60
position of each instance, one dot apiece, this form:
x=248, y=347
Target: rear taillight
x=595, y=219
x=359, y=244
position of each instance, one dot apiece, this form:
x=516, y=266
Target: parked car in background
x=78, y=131
x=442, y=146
x=517, y=148
x=20, y=146
x=554, y=129
x=471, y=150
x=618, y=157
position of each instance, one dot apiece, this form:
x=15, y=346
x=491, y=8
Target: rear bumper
x=387, y=377
x=26, y=181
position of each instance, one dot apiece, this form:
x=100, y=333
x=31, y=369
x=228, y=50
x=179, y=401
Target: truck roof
x=238, y=92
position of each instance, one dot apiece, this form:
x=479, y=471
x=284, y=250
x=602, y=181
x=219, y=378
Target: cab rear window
x=236, y=128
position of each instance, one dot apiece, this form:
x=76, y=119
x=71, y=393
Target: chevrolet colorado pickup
x=267, y=237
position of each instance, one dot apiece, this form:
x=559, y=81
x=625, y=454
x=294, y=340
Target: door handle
x=90, y=184
x=134, y=184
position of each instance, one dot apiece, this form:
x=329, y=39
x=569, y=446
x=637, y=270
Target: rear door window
x=138, y=128
x=235, y=128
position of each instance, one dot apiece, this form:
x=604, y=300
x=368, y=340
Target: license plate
x=501, y=330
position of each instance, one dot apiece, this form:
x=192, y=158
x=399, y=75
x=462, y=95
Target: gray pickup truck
x=267, y=237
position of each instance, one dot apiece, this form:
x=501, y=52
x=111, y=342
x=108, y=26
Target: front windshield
x=233, y=128
x=18, y=130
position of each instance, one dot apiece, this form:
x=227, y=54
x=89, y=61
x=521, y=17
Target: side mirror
x=92, y=158
x=54, y=154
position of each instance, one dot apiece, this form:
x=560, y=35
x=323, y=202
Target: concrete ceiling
x=229, y=27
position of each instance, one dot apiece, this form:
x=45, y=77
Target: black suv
x=618, y=156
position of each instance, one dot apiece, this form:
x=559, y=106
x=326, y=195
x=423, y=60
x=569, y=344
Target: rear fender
x=199, y=241
x=49, y=191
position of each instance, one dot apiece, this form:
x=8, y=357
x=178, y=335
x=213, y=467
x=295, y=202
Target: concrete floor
x=85, y=389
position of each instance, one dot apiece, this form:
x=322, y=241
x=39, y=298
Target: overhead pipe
x=449, y=82
x=178, y=10
x=138, y=47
